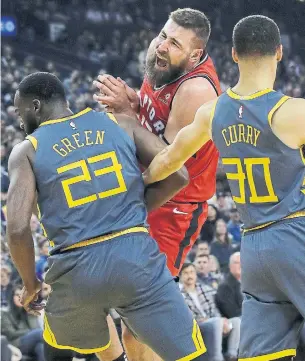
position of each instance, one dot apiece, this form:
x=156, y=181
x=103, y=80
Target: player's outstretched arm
x=187, y=142
x=148, y=146
x=20, y=202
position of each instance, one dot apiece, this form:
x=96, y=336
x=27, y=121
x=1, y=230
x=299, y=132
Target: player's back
x=266, y=177
x=87, y=176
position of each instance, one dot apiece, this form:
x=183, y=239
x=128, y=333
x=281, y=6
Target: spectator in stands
x=6, y=286
x=202, y=248
x=229, y=296
x=41, y=263
x=208, y=230
x=221, y=246
x=4, y=185
x=202, y=265
x=35, y=228
x=234, y=228
x=223, y=206
x=215, y=269
x=200, y=299
x=21, y=330
x=9, y=352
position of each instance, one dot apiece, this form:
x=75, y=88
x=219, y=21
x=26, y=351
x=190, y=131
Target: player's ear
x=234, y=56
x=196, y=55
x=279, y=53
x=37, y=105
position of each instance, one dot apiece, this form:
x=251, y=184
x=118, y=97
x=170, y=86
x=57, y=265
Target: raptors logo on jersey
x=155, y=107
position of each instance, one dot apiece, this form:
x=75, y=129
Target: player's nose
x=162, y=47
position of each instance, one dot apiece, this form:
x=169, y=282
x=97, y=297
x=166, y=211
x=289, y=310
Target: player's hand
x=31, y=299
x=116, y=95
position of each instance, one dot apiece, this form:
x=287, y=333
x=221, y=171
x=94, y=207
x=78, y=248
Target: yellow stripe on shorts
x=198, y=342
x=50, y=339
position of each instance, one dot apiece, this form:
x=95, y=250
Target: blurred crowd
x=115, y=39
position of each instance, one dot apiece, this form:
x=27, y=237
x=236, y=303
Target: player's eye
x=162, y=36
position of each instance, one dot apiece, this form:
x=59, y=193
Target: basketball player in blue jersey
x=93, y=205
x=260, y=134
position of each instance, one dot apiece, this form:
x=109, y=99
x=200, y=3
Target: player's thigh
x=287, y=261
x=270, y=318
x=165, y=324
x=268, y=328
x=75, y=315
x=175, y=227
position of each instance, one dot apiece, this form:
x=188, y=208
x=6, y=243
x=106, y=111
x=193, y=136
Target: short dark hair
x=45, y=86
x=256, y=35
x=193, y=19
x=186, y=265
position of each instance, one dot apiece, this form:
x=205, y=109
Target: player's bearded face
x=160, y=67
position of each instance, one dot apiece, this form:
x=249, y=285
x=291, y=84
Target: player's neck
x=255, y=77
x=56, y=112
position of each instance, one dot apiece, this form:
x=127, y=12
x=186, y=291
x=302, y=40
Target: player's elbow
x=16, y=229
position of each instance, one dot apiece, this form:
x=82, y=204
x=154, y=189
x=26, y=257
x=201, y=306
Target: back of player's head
x=256, y=35
x=195, y=20
x=42, y=86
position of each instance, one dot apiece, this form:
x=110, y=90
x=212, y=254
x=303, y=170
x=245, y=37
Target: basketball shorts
x=175, y=227
x=273, y=282
x=129, y=274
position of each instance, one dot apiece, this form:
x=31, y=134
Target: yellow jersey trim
x=212, y=115
x=248, y=97
x=275, y=108
x=112, y=117
x=33, y=141
x=66, y=118
x=293, y=215
x=50, y=339
x=198, y=342
x=271, y=356
x=91, y=241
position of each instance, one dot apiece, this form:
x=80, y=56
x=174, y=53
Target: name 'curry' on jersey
x=266, y=177
x=87, y=176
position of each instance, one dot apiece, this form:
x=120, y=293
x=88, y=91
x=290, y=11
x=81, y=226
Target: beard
x=158, y=77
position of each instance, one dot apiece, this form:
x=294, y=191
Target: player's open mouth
x=161, y=63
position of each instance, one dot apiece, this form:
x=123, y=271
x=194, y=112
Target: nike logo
x=178, y=212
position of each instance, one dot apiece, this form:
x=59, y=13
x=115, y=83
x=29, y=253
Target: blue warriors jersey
x=88, y=180
x=266, y=177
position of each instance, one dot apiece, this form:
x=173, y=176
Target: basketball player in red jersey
x=180, y=77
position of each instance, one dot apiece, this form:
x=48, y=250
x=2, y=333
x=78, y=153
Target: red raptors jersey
x=155, y=106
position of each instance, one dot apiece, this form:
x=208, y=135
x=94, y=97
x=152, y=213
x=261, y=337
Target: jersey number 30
x=115, y=168
x=241, y=177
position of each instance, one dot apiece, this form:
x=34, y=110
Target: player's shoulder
x=20, y=152
x=288, y=121
x=289, y=108
x=195, y=86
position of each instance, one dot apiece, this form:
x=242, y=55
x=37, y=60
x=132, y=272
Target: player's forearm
x=162, y=166
x=21, y=245
x=159, y=193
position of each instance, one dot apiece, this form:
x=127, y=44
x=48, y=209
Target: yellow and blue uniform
x=91, y=201
x=87, y=166
x=267, y=180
